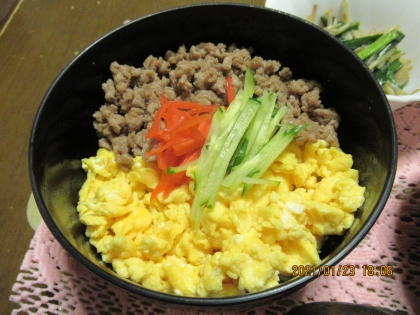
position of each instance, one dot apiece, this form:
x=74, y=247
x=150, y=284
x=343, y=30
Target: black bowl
x=63, y=134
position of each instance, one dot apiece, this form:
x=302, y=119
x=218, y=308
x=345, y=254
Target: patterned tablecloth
x=52, y=282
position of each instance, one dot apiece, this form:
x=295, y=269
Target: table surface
x=37, y=40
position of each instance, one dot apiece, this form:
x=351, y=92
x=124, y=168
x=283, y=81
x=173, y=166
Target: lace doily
x=52, y=282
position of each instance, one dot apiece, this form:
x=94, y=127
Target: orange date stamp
x=325, y=270
x=341, y=270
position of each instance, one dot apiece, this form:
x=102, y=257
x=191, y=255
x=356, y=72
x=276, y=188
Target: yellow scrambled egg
x=245, y=243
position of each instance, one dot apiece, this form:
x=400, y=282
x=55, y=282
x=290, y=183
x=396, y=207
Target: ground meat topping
x=199, y=74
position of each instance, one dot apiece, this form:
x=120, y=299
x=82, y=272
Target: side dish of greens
x=379, y=50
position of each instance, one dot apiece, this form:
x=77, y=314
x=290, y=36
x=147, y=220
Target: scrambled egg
x=245, y=242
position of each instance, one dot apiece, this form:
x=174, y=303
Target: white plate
x=373, y=14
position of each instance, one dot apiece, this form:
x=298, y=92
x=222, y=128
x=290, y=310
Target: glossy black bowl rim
x=278, y=291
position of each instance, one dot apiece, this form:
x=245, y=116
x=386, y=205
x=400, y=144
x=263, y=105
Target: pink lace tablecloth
x=52, y=282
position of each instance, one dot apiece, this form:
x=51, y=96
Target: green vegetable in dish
x=393, y=37
x=361, y=41
x=379, y=49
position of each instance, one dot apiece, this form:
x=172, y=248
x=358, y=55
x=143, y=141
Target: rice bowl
x=62, y=136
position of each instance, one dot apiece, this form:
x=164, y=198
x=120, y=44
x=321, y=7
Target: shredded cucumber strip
x=227, y=129
x=258, y=164
x=215, y=163
x=257, y=133
x=228, y=147
x=180, y=168
x=244, y=140
x=260, y=181
x=274, y=124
